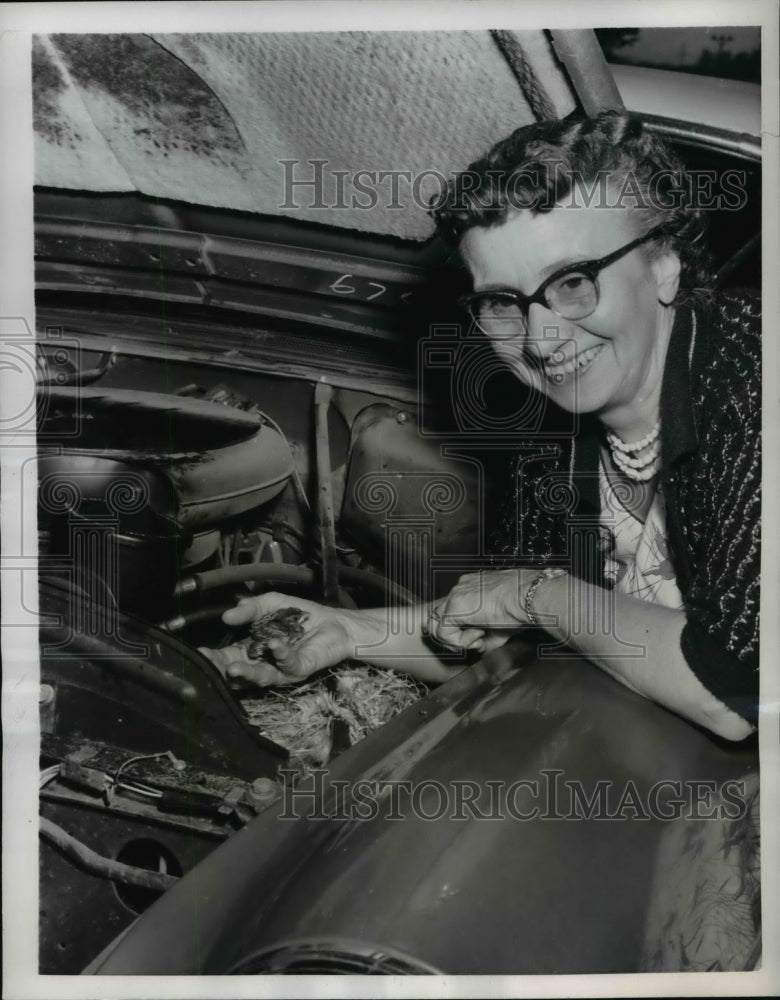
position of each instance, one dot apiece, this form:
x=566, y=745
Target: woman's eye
x=499, y=305
x=572, y=282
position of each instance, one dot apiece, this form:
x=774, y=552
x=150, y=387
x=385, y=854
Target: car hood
x=311, y=126
x=455, y=893
x=212, y=119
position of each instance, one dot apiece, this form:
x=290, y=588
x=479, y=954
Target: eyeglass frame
x=591, y=268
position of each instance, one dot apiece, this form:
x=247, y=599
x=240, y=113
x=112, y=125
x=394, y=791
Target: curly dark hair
x=539, y=165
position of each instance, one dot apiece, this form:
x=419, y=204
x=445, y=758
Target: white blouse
x=637, y=552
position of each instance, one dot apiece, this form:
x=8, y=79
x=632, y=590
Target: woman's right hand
x=328, y=639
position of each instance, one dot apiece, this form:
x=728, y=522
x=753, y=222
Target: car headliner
x=208, y=118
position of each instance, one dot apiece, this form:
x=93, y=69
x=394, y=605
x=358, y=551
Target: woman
x=635, y=540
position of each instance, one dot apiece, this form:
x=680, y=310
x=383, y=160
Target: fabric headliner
x=207, y=118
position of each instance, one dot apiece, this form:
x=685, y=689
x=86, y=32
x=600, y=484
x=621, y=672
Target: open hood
x=212, y=119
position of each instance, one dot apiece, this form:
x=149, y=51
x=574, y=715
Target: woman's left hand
x=481, y=610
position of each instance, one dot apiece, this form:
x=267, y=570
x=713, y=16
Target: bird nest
x=348, y=702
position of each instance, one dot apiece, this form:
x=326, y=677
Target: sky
x=685, y=45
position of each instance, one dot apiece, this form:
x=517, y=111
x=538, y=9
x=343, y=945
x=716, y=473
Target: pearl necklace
x=627, y=449
x=638, y=469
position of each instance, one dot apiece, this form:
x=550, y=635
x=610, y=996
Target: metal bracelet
x=548, y=573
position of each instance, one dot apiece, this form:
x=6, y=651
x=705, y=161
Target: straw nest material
x=301, y=719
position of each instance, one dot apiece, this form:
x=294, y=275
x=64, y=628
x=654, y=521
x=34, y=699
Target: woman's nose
x=545, y=329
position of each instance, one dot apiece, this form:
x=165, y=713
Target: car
x=248, y=364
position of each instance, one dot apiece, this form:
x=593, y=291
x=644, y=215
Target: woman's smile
x=609, y=362
x=560, y=366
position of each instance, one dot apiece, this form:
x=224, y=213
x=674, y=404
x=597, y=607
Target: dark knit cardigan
x=711, y=479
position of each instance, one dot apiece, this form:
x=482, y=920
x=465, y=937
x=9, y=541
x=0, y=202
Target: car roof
x=733, y=105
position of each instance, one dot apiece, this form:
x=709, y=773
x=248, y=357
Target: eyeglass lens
x=499, y=314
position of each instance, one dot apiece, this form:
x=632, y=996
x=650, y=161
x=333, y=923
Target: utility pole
x=721, y=41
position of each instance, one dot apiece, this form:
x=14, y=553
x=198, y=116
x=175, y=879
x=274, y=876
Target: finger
x=222, y=658
x=450, y=617
x=259, y=672
x=300, y=657
x=249, y=608
x=281, y=648
x=463, y=607
x=434, y=621
x=242, y=613
x=458, y=638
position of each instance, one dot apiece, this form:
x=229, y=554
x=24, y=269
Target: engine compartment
x=167, y=492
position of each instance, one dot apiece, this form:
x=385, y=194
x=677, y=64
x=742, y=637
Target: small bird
x=286, y=624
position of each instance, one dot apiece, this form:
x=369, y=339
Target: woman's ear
x=667, y=275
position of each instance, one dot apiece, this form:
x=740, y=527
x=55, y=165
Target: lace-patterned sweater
x=711, y=479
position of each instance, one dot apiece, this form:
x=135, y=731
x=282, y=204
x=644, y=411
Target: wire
x=50, y=773
x=47, y=775
x=235, y=545
x=299, y=536
x=108, y=868
x=295, y=475
x=288, y=529
x=145, y=756
x=152, y=793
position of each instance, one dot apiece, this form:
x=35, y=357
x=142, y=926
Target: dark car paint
x=465, y=895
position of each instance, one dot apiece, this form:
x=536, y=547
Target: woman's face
x=609, y=363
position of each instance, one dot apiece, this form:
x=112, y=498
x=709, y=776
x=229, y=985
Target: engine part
x=82, y=910
x=272, y=575
x=220, y=461
x=135, y=686
x=326, y=517
x=95, y=863
x=117, y=830
x=179, y=467
x=407, y=505
x=194, y=617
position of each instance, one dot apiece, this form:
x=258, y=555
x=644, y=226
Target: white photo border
x=20, y=677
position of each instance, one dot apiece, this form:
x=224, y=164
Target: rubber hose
x=275, y=574
x=95, y=863
x=185, y=619
x=138, y=670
